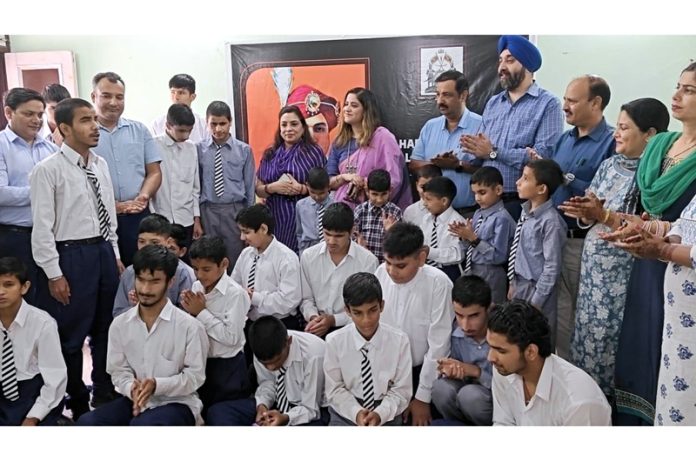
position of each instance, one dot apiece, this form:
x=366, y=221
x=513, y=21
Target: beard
x=510, y=81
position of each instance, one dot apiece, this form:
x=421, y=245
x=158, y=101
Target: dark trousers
x=513, y=203
x=453, y=271
x=127, y=232
x=91, y=272
x=119, y=412
x=16, y=241
x=225, y=379
x=12, y=413
x=243, y=413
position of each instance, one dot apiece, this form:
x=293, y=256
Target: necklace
x=688, y=149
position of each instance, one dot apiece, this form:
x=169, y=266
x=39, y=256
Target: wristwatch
x=493, y=155
x=459, y=168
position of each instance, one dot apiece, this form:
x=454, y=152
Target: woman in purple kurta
x=283, y=172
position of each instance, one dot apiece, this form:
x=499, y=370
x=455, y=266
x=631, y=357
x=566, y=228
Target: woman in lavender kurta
x=362, y=145
x=283, y=172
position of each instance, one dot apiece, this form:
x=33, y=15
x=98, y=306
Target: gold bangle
x=607, y=214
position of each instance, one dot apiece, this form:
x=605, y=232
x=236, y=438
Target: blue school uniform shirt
x=496, y=233
x=468, y=350
x=306, y=221
x=237, y=171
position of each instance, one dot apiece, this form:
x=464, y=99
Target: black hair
x=522, y=324
x=184, y=81
x=428, y=171
x=487, y=176
x=65, y=111
x=179, y=235
x=208, y=247
x=267, y=337
x=403, y=239
x=155, y=224
x=254, y=216
x=11, y=265
x=278, y=139
x=55, y=92
x=18, y=96
x=113, y=77
x=599, y=87
x=469, y=290
x=690, y=68
x=379, y=181
x=460, y=82
x=153, y=258
x=647, y=113
x=180, y=115
x=441, y=186
x=338, y=217
x=361, y=288
x=218, y=109
x=318, y=178
x=548, y=173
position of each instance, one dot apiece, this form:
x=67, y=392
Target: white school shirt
x=198, y=134
x=304, y=379
x=415, y=213
x=322, y=280
x=64, y=206
x=390, y=361
x=36, y=348
x=173, y=352
x=449, y=250
x=421, y=308
x=225, y=312
x=565, y=396
x=277, y=281
x=178, y=197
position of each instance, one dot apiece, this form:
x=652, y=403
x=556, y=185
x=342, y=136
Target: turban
x=522, y=49
x=312, y=102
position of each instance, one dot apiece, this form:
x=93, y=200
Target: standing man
x=522, y=117
x=579, y=152
x=133, y=158
x=21, y=148
x=74, y=242
x=182, y=90
x=438, y=142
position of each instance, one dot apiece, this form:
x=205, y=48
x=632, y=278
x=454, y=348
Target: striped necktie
x=8, y=376
x=218, y=180
x=513, y=248
x=104, y=220
x=281, y=396
x=320, y=221
x=433, y=241
x=251, y=280
x=470, y=250
x=367, y=384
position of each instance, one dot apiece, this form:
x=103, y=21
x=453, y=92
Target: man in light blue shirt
x=21, y=147
x=438, y=142
x=133, y=157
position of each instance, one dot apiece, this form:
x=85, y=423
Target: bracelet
x=582, y=225
x=666, y=252
x=607, y=214
x=475, y=242
x=54, y=279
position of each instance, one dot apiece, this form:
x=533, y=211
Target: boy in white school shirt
x=417, y=300
x=326, y=266
x=415, y=212
x=367, y=365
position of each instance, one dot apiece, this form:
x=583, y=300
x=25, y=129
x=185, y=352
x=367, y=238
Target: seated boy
x=488, y=235
x=152, y=230
x=325, y=267
x=444, y=249
x=32, y=372
x=310, y=210
x=534, y=264
x=376, y=215
x=368, y=363
x=463, y=391
x=221, y=305
x=156, y=354
x=418, y=301
x=416, y=211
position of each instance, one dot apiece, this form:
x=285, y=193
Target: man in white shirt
x=182, y=90
x=74, y=243
x=156, y=354
x=326, y=266
x=532, y=386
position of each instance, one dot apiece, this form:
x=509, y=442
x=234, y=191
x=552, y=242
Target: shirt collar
x=543, y=388
x=75, y=158
x=325, y=202
x=222, y=284
x=294, y=354
x=532, y=91
x=492, y=209
x=12, y=137
x=371, y=207
x=597, y=132
x=213, y=144
x=358, y=342
x=539, y=210
x=269, y=249
x=21, y=317
x=120, y=124
x=463, y=120
x=165, y=314
x=444, y=216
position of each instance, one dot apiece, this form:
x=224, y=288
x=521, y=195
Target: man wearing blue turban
x=522, y=119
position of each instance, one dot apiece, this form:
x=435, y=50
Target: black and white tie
x=251, y=280
x=218, y=180
x=470, y=250
x=8, y=376
x=368, y=387
x=104, y=220
x=513, y=248
x=320, y=222
x=433, y=240
x=282, y=403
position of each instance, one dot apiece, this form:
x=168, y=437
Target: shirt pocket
x=165, y=368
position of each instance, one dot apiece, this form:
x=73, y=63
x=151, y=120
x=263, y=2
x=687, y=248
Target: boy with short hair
x=182, y=90
x=463, y=391
x=377, y=214
x=325, y=267
x=178, y=196
x=417, y=300
x=444, y=252
x=179, y=243
x=32, y=372
x=486, y=238
x=153, y=230
x=368, y=363
x=52, y=95
x=415, y=212
x=309, y=211
x=534, y=264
